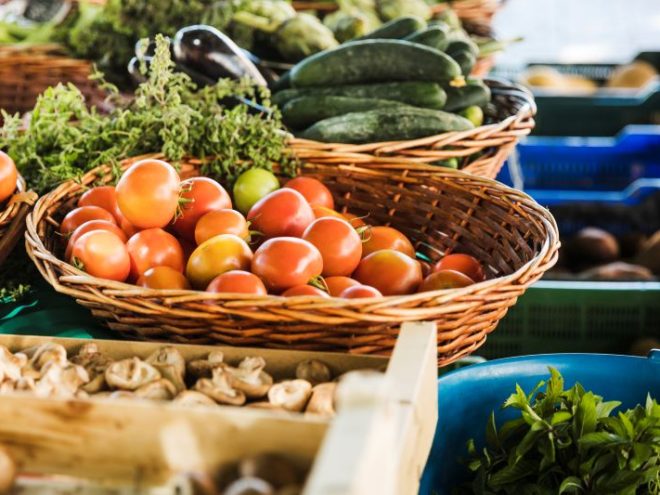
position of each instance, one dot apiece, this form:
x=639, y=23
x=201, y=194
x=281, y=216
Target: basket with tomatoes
x=334, y=259
x=14, y=205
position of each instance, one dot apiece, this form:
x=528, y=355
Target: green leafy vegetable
x=568, y=442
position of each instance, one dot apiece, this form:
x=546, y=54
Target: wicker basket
x=481, y=151
x=26, y=72
x=441, y=211
x=12, y=218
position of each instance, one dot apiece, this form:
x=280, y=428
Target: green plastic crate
x=577, y=317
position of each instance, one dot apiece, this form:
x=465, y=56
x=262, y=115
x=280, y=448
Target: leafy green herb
x=568, y=442
x=169, y=114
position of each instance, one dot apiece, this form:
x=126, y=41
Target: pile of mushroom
x=47, y=371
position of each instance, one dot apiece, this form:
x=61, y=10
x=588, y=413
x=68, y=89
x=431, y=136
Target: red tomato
x=391, y=272
x=463, y=263
x=201, y=196
x=323, y=212
x=102, y=254
x=220, y=254
x=88, y=227
x=104, y=197
x=129, y=229
x=445, y=279
x=304, y=290
x=163, y=277
x=360, y=291
x=8, y=176
x=339, y=244
x=314, y=191
x=285, y=262
x=154, y=247
x=237, y=282
x=76, y=217
x=221, y=222
x=282, y=213
x=378, y=238
x=354, y=220
x=148, y=193
x=337, y=285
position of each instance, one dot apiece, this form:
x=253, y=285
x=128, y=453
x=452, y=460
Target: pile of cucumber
x=406, y=80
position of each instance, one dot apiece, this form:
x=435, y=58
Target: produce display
x=159, y=232
x=47, y=371
x=8, y=177
x=568, y=441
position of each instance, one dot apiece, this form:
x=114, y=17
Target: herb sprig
x=568, y=442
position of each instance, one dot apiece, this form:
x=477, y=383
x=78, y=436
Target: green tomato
x=253, y=185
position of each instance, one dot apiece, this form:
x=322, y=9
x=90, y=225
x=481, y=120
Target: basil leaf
x=572, y=484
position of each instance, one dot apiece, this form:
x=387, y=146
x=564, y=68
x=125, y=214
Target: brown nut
x=314, y=371
x=130, y=374
x=618, y=271
x=322, y=401
x=250, y=378
x=275, y=469
x=291, y=395
x=593, y=245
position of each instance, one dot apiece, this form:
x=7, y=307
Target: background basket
x=26, y=72
x=12, y=217
x=481, y=151
x=441, y=212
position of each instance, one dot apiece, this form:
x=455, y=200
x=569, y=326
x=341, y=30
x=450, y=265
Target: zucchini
x=396, y=28
x=307, y=110
x=466, y=60
x=414, y=93
x=375, y=61
x=435, y=37
x=474, y=93
x=384, y=124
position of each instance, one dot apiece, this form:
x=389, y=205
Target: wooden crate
x=377, y=443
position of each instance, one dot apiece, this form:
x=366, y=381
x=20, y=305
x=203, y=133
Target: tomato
x=216, y=256
x=313, y=190
x=129, y=229
x=253, y=185
x=282, y=213
x=163, y=277
x=154, y=247
x=201, y=195
x=221, y=222
x=354, y=220
x=324, y=212
x=391, y=272
x=148, y=193
x=237, y=282
x=339, y=244
x=102, y=254
x=8, y=176
x=378, y=238
x=445, y=279
x=76, y=217
x=463, y=263
x=88, y=227
x=285, y=262
x=337, y=285
x=104, y=197
x=304, y=290
x=360, y=291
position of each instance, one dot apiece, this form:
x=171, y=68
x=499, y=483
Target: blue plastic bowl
x=467, y=396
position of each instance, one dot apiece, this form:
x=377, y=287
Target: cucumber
x=474, y=114
x=375, y=61
x=396, y=28
x=435, y=37
x=307, y=110
x=385, y=124
x=474, y=93
x=462, y=45
x=414, y=93
x=284, y=82
x=466, y=60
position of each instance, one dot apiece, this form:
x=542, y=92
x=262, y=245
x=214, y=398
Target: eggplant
x=207, y=51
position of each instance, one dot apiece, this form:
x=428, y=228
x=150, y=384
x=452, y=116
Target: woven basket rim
x=36, y=249
x=12, y=217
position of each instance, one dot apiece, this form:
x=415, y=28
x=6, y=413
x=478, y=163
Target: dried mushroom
x=7, y=471
x=314, y=371
x=130, y=374
x=249, y=486
x=291, y=395
x=275, y=469
x=161, y=389
x=192, y=398
x=95, y=363
x=322, y=401
x=203, y=368
x=46, y=353
x=10, y=365
x=264, y=405
x=60, y=381
x=171, y=365
x=122, y=394
x=250, y=378
x=219, y=389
